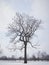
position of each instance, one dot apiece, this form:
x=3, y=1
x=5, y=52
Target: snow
x=22, y=63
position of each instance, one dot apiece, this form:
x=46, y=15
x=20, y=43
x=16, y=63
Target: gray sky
x=37, y=8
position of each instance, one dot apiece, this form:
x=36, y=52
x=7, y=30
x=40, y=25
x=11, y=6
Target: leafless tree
x=1, y=51
x=23, y=27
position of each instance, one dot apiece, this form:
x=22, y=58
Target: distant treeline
x=40, y=56
x=46, y=58
x=7, y=58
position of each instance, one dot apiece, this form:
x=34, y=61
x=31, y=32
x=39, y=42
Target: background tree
x=23, y=28
x=1, y=50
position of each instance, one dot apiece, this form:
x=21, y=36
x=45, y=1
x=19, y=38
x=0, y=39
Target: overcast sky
x=37, y=8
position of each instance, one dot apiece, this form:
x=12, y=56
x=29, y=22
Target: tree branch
x=34, y=46
x=15, y=48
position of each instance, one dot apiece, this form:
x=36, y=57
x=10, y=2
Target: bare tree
x=1, y=51
x=23, y=27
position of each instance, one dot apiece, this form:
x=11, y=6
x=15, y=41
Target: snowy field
x=21, y=63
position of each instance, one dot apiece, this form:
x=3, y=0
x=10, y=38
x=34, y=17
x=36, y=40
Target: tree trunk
x=25, y=53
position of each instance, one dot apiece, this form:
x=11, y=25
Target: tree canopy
x=22, y=29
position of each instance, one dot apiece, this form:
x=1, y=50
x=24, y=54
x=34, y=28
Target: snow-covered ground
x=21, y=63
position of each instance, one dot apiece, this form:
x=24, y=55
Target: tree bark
x=25, y=53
